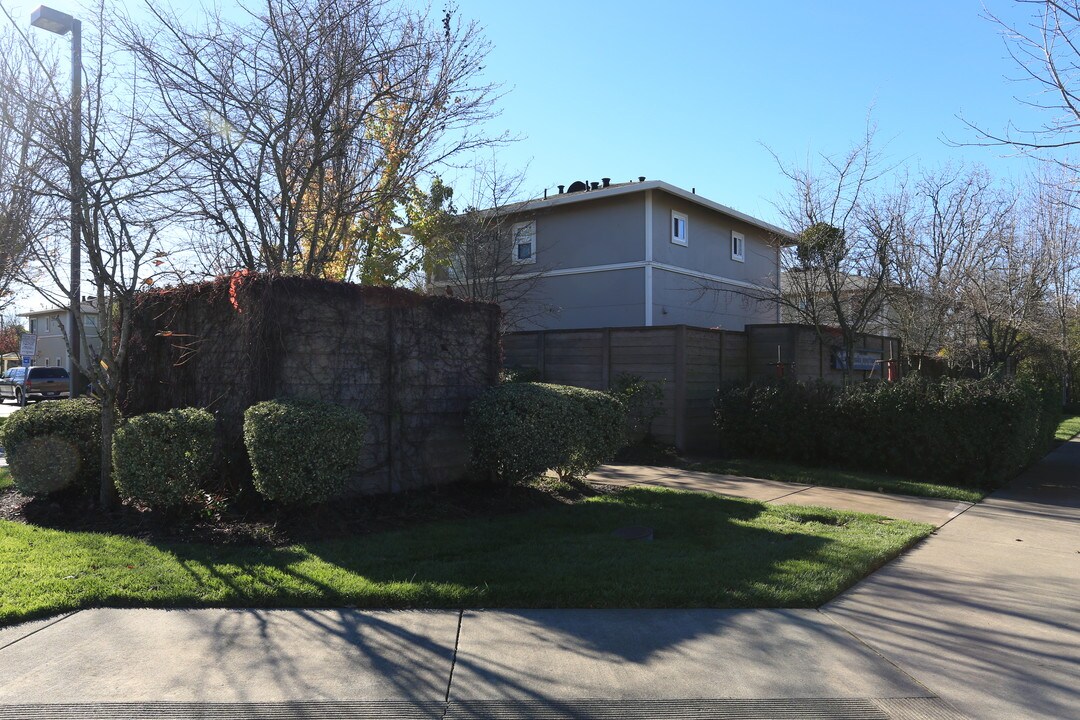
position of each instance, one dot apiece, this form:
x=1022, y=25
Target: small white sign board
x=28, y=345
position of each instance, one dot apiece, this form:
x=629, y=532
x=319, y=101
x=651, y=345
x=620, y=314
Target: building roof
x=615, y=190
x=88, y=308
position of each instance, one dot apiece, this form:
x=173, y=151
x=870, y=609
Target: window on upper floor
x=33, y=325
x=679, y=234
x=524, y=250
x=738, y=247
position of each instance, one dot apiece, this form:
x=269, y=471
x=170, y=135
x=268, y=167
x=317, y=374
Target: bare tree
x=836, y=275
x=300, y=130
x=23, y=162
x=122, y=175
x=1054, y=221
x=947, y=221
x=1004, y=298
x=1046, y=51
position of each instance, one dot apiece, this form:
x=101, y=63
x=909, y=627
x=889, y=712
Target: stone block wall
x=411, y=363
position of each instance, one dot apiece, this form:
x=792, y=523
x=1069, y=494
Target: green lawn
x=854, y=479
x=5, y=478
x=709, y=551
x=1068, y=428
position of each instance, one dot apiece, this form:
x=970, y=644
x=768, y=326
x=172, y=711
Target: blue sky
x=693, y=92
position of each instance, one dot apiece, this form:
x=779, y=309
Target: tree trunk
x=849, y=365
x=108, y=497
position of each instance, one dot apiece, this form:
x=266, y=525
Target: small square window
x=738, y=247
x=679, y=233
x=524, y=250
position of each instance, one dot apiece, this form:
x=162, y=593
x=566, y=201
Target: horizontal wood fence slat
x=693, y=363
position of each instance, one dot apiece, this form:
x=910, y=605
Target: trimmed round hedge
x=302, y=451
x=52, y=445
x=521, y=430
x=161, y=458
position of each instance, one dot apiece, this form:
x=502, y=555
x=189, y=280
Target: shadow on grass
x=708, y=551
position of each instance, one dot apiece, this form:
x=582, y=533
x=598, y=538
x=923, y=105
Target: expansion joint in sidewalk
x=43, y=627
x=453, y=661
x=871, y=648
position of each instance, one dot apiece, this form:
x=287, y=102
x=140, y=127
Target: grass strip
x=709, y=551
x=831, y=477
x=1068, y=428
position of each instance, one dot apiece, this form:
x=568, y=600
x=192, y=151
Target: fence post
x=605, y=358
x=720, y=360
x=680, y=387
x=540, y=354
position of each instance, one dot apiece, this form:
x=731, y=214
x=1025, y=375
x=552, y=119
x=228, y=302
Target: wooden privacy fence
x=691, y=362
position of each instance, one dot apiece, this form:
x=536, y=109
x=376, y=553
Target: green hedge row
x=967, y=432
x=301, y=451
x=521, y=430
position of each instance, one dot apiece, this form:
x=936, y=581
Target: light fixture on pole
x=61, y=23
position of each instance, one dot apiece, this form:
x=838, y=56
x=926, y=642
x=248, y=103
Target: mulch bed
x=251, y=521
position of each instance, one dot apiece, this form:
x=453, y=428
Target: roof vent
x=641, y=178
x=606, y=181
x=577, y=186
x=561, y=189
x=595, y=186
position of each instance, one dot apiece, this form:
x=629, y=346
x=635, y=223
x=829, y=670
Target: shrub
x=519, y=375
x=644, y=401
x=51, y=445
x=521, y=430
x=161, y=458
x=302, y=451
x=785, y=420
x=969, y=432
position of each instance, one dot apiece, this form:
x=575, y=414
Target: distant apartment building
x=634, y=254
x=49, y=325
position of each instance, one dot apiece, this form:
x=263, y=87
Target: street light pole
x=61, y=23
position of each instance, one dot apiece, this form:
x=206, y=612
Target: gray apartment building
x=635, y=254
x=51, y=345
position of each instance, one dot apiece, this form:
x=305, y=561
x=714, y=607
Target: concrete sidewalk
x=431, y=664
x=934, y=511
x=982, y=620
x=987, y=611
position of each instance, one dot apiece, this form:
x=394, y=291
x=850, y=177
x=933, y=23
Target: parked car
x=22, y=384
